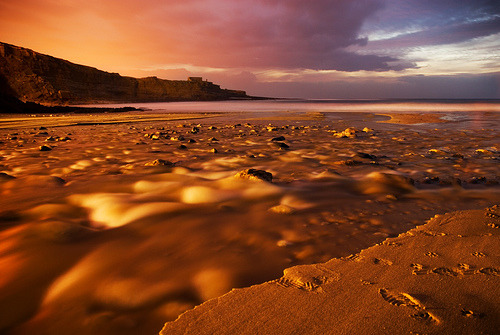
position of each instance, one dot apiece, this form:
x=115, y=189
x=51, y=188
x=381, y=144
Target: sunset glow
x=320, y=49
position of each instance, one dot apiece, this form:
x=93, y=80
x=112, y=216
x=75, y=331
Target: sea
x=300, y=105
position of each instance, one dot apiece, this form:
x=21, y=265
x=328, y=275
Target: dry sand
x=439, y=278
x=115, y=224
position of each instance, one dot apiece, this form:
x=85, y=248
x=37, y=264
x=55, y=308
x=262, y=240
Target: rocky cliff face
x=31, y=76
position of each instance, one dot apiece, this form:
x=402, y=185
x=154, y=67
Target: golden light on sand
x=134, y=218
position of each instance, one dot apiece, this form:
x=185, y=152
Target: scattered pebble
x=159, y=162
x=45, y=148
x=282, y=145
x=254, y=174
x=282, y=209
x=284, y=243
x=279, y=138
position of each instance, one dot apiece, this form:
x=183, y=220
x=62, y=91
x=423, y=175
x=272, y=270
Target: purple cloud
x=264, y=33
x=435, y=22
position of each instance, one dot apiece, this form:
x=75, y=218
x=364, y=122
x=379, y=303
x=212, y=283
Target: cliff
x=31, y=76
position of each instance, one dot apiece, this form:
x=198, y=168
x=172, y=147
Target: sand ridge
x=414, y=118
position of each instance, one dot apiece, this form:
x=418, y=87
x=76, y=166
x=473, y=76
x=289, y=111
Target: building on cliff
x=195, y=79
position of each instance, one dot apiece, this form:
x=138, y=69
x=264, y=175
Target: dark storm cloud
x=284, y=34
x=265, y=34
x=455, y=33
x=437, y=22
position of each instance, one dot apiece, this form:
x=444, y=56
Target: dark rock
x=159, y=162
x=282, y=145
x=191, y=141
x=182, y=147
x=477, y=180
x=347, y=133
x=213, y=139
x=366, y=156
x=214, y=151
x=4, y=176
x=9, y=217
x=279, y=138
x=431, y=180
x=178, y=138
x=45, y=148
x=351, y=162
x=254, y=174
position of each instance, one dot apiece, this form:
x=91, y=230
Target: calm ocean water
x=379, y=106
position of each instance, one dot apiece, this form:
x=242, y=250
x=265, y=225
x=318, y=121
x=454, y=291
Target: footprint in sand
x=392, y=244
x=432, y=233
x=461, y=269
x=471, y=314
x=490, y=271
x=300, y=277
x=493, y=213
x=426, y=317
x=382, y=261
x=309, y=286
x=354, y=258
x=418, y=269
x=402, y=299
x=367, y=282
x=444, y=272
x=465, y=269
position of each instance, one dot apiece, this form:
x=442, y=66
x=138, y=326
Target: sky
x=319, y=49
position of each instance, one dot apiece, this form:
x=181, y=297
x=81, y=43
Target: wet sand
x=115, y=224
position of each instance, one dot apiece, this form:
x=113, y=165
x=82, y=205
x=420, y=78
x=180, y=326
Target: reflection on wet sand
x=117, y=228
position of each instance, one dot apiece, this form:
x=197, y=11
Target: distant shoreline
x=12, y=105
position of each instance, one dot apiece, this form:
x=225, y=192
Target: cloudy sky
x=286, y=48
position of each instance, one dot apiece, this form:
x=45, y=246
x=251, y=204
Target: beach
x=118, y=223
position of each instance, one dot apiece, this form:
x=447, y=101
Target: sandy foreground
x=118, y=223
x=439, y=278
